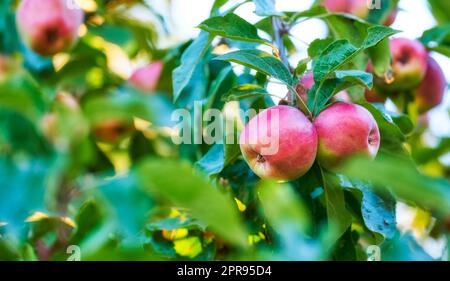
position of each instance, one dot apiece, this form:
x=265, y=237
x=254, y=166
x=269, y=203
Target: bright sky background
x=413, y=19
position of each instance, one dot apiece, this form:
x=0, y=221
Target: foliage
x=128, y=192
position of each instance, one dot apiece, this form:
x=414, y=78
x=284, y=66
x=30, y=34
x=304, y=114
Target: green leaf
x=266, y=8
x=403, y=248
x=22, y=191
x=335, y=55
x=172, y=224
x=233, y=27
x=342, y=79
x=437, y=39
x=335, y=203
x=88, y=218
x=193, y=192
x=213, y=161
x=216, y=6
x=404, y=180
x=301, y=67
x=380, y=56
x=8, y=251
x=262, y=62
x=319, y=95
x=129, y=205
x=377, y=209
x=221, y=84
x=290, y=220
x=318, y=46
x=189, y=60
x=376, y=34
x=284, y=212
x=119, y=106
x=244, y=91
x=21, y=94
x=403, y=121
x=440, y=9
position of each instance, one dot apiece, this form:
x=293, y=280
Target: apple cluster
x=415, y=75
x=342, y=130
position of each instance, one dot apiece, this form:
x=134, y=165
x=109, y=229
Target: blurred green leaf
x=193, y=192
x=22, y=191
x=337, y=213
x=22, y=94
x=319, y=95
x=128, y=203
x=404, y=248
x=404, y=180
x=440, y=9
x=437, y=39
x=380, y=56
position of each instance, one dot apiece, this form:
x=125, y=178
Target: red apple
x=344, y=130
x=146, y=78
x=409, y=63
x=432, y=88
x=279, y=143
x=48, y=26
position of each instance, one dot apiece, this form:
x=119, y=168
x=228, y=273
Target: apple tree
x=118, y=142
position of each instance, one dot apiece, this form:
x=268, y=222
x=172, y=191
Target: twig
x=279, y=30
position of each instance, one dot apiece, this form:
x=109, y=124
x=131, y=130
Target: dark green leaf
x=233, y=27
x=380, y=56
x=335, y=55
x=262, y=62
x=191, y=57
x=318, y=46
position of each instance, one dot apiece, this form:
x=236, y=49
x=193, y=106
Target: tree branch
x=279, y=30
